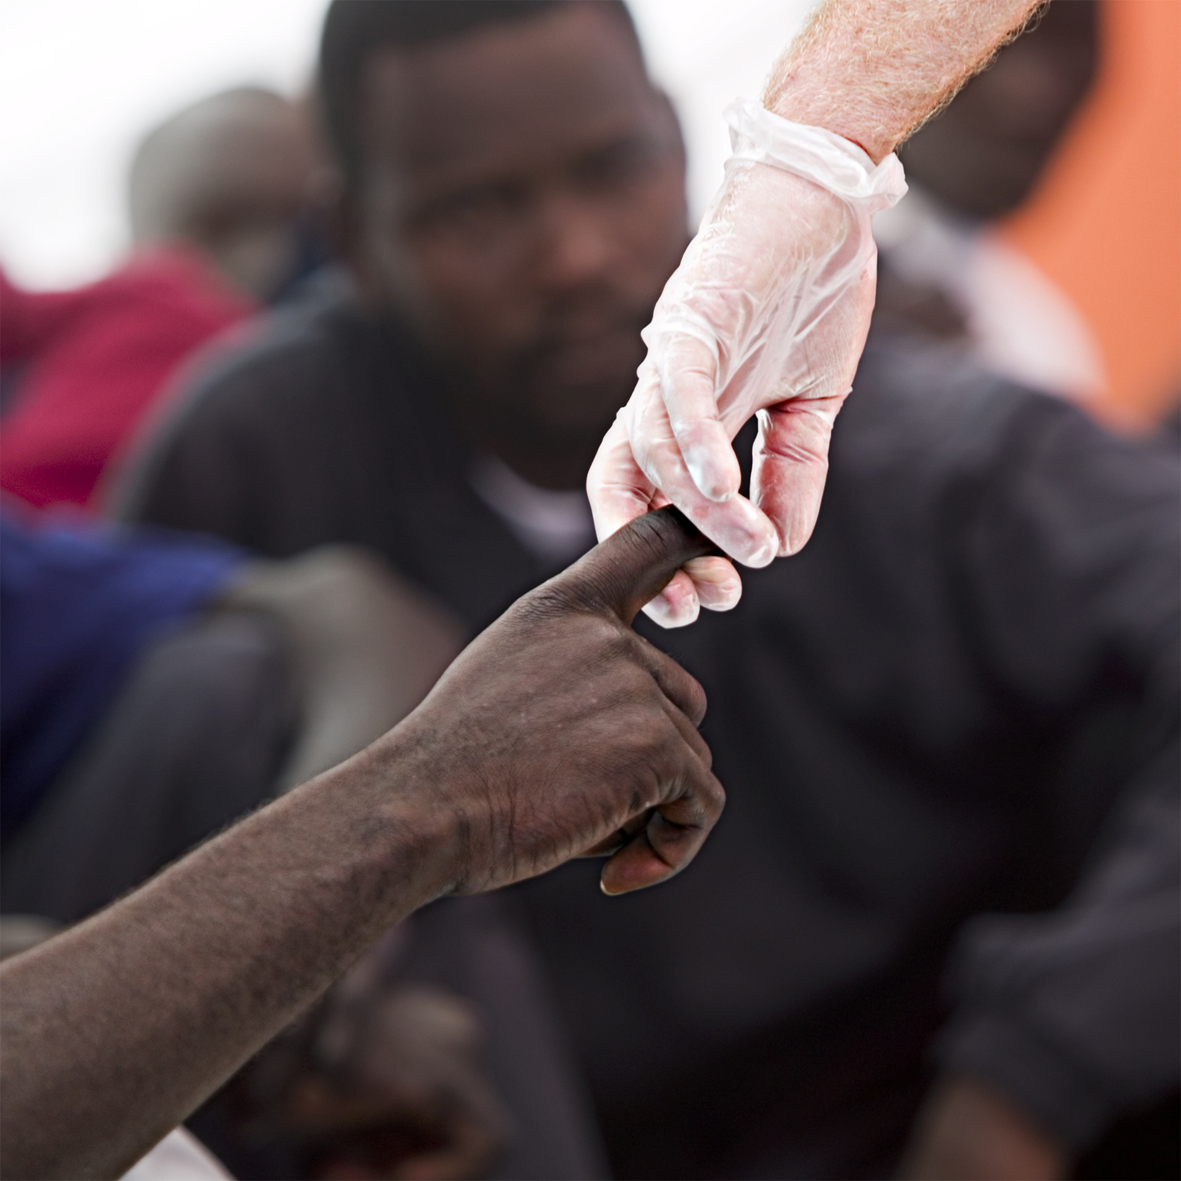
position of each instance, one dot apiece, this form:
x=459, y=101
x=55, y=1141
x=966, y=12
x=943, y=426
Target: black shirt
x=927, y=715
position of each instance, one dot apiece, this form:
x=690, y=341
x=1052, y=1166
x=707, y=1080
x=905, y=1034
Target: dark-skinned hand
x=560, y=732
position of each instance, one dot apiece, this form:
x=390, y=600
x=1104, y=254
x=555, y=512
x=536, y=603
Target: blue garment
x=78, y=604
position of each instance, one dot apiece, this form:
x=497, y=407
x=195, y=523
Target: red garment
x=93, y=362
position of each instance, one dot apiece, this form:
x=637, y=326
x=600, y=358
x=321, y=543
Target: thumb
x=635, y=564
x=791, y=463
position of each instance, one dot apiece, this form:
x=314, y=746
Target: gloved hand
x=766, y=314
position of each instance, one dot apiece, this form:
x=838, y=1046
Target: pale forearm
x=873, y=70
x=114, y=1032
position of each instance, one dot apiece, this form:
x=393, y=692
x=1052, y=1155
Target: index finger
x=739, y=527
x=688, y=371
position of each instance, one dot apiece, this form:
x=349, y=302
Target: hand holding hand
x=557, y=733
x=767, y=314
x=560, y=732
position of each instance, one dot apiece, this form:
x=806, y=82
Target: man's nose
x=575, y=243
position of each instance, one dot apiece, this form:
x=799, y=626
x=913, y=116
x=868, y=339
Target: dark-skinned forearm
x=116, y=1030
x=550, y=733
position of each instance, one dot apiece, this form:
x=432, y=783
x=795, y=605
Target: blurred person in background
x=941, y=270
x=215, y=196
x=960, y=699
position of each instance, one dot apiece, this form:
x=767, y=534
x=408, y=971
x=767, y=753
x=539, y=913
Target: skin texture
x=982, y=156
x=872, y=71
x=969, y=1131
x=875, y=70
x=557, y=731
x=520, y=205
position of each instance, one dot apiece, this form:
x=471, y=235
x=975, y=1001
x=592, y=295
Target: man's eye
x=620, y=165
x=478, y=213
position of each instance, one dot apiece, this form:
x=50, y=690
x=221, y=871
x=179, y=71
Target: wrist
x=827, y=160
x=404, y=839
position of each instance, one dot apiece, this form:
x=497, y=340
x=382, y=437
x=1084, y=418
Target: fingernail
x=763, y=553
x=660, y=610
x=714, y=484
x=750, y=548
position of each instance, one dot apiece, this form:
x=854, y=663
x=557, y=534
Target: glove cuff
x=829, y=160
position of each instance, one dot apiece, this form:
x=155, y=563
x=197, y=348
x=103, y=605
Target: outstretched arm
x=874, y=70
x=768, y=312
x=557, y=733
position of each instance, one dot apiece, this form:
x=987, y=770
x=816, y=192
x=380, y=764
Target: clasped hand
x=767, y=314
x=560, y=732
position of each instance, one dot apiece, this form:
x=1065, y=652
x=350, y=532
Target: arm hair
x=875, y=70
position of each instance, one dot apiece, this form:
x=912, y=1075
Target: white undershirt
x=180, y=1156
x=555, y=526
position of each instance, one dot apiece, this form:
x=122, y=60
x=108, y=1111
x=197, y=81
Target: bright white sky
x=81, y=80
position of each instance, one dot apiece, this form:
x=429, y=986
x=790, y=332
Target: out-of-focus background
x=81, y=82
x=1103, y=224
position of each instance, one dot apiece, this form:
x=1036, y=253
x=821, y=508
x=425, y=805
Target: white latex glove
x=768, y=314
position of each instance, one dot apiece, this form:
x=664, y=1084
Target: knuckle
x=695, y=698
x=547, y=601
x=713, y=797
x=652, y=741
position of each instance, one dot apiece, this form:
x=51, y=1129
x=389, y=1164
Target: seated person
x=215, y=193
x=927, y=716
x=115, y=1030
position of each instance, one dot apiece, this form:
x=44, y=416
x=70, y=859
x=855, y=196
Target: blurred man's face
x=253, y=184
x=982, y=156
x=522, y=207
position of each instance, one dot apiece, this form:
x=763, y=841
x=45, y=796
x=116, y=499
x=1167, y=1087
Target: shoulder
x=925, y=405
x=1053, y=542
x=244, y=398
x=283, y=358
